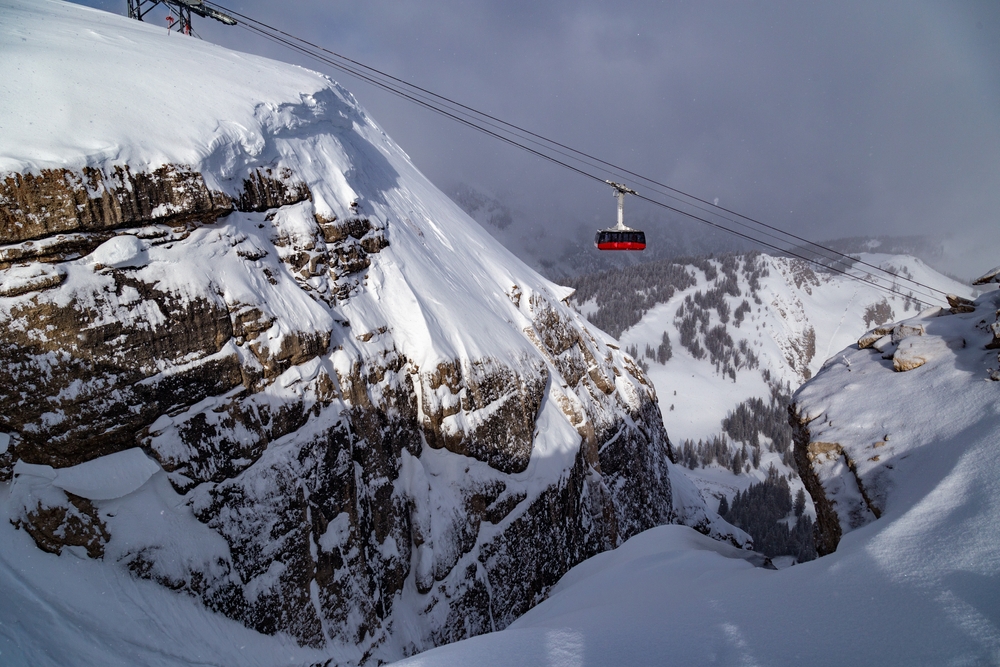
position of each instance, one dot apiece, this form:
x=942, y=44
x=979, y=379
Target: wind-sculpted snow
x=359, y=422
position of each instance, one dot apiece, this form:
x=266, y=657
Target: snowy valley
x=727, y=340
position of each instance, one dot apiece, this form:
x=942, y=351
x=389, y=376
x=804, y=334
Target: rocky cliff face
x=300, y=443
x=278, y=371
x=861, y=424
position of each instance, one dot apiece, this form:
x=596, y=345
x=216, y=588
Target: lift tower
x=182, y=9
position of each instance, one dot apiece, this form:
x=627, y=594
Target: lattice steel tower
x=179, y=18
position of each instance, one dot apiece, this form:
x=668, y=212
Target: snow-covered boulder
x=120, y=252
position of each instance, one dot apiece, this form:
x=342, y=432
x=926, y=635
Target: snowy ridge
x=258, y=112
x=361, y=423
x=853, y=450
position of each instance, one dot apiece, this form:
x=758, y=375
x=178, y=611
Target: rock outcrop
x=858, y=422
x=252, y=354
x=60, y=201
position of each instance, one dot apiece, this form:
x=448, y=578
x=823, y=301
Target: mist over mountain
x=543, y=243
x=827, y=120
x=561, y=249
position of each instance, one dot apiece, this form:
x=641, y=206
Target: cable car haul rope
x=595, y=168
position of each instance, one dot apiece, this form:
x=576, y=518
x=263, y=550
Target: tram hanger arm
x=622, y=188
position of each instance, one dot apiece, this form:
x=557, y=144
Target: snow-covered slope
x=251, y=354
x=921, y=383
x=804, y=316
x=919, y=585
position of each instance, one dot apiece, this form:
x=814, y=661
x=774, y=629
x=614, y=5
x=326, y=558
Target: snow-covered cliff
x=919, y=383
x=250, y=353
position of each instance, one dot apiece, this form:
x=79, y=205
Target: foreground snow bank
x=879, y=409
x=70, y=610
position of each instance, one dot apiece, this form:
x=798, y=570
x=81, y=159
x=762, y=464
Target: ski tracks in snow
x=843, y=316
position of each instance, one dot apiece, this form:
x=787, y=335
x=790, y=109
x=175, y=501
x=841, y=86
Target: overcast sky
x=829, y=119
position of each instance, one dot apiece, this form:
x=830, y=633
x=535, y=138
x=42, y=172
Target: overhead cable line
x=461, y=114
x=836, y=255
x=423, y=102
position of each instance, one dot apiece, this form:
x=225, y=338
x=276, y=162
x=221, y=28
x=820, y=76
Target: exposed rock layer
x=59, y=201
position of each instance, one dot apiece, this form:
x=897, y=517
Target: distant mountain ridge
x=564, y=251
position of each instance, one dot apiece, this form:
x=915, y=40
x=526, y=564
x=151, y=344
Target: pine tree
x=800, y=502
x=723, y=506
x=762, y=509
x=664, y=351
x=737, y=463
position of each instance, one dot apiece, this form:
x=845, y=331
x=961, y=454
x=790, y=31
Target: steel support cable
x=512, y=142
x=472, y=124
x=427, y=96
x=499, y=123
x=810, y=260
x=431, y=107
x=835, y=255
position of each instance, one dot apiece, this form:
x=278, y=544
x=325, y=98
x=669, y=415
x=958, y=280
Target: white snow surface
x=56, y=111
x=918, y=586
x=70, y=610
x=832, y=307
x=104, y=478
x=120, y=252
x=82, y=88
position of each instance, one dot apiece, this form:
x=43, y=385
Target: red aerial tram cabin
x=620, y=237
